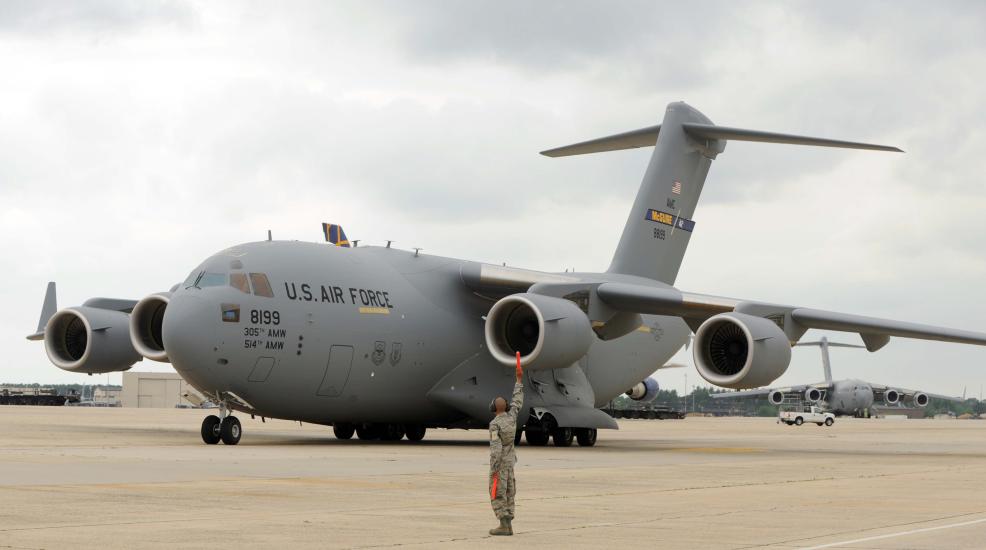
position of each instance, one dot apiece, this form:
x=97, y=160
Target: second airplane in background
x=848, y=397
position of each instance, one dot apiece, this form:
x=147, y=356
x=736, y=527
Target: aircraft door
x=336, y=371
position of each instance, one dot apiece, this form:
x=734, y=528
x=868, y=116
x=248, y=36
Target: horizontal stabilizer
x=647, y=137
x=644, y=137
x=710, y=131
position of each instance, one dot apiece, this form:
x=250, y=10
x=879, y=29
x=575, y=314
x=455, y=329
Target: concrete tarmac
x=142, y=478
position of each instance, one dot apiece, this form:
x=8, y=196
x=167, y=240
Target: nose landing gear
x=225, y=427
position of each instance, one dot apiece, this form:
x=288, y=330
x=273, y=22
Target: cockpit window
x=190, y=280
x=211, y=279
x=239, y=282
x=261, y=286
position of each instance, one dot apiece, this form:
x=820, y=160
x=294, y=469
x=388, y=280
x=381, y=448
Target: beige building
x=110, y=396
x=163, y=390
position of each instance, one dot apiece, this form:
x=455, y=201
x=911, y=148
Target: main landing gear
x=379, y=432
x=538, y=432
x=225, y=428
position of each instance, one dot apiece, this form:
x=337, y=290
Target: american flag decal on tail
x=676, y=188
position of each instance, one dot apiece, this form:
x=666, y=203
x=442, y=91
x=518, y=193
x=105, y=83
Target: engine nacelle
x=891, y=397
x=740, y=351
x=91, y=340
x=776, y=397
x=645, y=391
x=145, y=326
x=813, y=395
x=548, y=332
x=919, y=400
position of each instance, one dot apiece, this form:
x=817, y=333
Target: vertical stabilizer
x=660, y=223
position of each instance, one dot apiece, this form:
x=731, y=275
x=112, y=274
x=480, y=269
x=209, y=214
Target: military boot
x=503, y=529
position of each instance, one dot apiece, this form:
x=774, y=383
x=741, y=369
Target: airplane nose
x=188, y=331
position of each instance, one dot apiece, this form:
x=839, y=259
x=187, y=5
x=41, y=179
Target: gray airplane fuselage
x=373, y=334
x=849, y=397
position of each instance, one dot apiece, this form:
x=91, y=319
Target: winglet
x=47, y=310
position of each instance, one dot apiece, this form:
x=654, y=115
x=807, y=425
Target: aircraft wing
x=880, y=390
x=696, y=308
x=766, y=391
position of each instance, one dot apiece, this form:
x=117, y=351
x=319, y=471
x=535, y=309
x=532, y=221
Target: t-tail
x=662, y=218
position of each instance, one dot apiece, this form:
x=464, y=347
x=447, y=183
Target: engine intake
x=645, y=391
x=776, y=397
x=813, y=395
x=740, y=351
x=919, y=399
x=891, y=397
x=145, y=326
x=548, y=332
x=91, y=340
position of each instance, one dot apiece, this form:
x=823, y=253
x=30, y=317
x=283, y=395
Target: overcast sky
x=138, y=138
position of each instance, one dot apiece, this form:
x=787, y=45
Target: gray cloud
x=43, y=17
x=125, y=162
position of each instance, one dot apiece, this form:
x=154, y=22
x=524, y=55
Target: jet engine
x=919, y=400
x=88, y=339
x=891, y=397
x=548, y=332
x=740, y=351
x=776, y=397
x=145, y=326
x=813, y=395
x=645, y=391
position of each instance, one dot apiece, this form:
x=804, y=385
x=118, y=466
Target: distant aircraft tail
x=661, y=221
x=335, y=235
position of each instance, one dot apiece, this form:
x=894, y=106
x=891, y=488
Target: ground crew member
x=503, y=428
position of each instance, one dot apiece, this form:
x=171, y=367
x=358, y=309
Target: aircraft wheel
x=392, y=432
x=799, y=421
x=562, y=437
x=230, y=430
x=829, y=421
x=343, y=430
x=586, y=436
x=210, y=429
x=536, y=438
x=366, y=432
x=414, y=432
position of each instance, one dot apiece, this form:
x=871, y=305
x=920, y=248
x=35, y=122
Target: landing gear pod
x=548, y=332
x=90, y=340
x=145, y=326
x=740, y=351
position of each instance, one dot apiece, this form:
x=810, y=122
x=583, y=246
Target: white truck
x=798, y=417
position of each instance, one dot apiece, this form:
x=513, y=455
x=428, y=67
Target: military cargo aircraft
x=849, y=397
x=386, y=343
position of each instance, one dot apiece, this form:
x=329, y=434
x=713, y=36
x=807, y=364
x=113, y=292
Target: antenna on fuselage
x=269, y=236
x=388, y=243
x=355, y=243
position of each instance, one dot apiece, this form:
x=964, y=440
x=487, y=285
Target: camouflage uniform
x=503, y=428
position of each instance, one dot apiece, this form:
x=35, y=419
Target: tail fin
x=685, y=144
x=335, y=235
x=48, y=309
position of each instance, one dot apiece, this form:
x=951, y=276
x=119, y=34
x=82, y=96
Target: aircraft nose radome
x=188, y=331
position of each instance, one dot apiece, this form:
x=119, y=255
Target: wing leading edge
x=696, y=308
